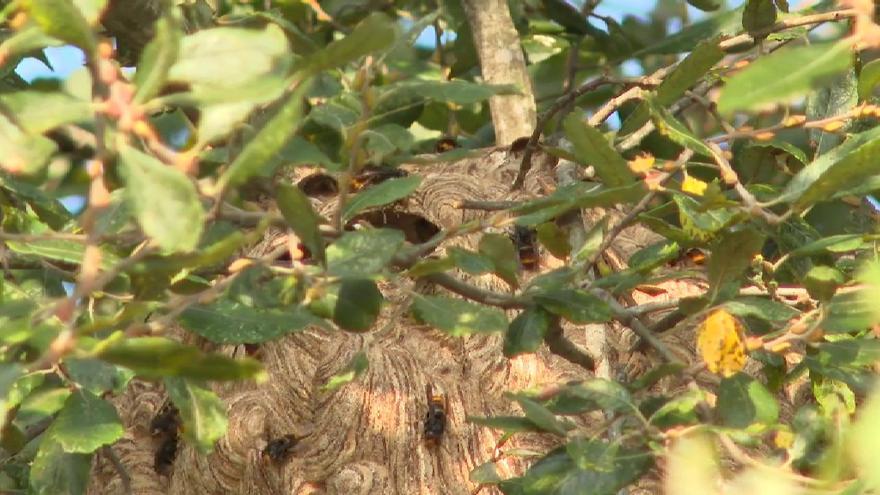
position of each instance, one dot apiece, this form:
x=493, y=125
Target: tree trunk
x=502, y=62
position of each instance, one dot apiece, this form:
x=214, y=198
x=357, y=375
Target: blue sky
x=65, y=60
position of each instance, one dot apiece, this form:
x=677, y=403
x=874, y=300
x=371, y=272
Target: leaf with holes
x=720, y=343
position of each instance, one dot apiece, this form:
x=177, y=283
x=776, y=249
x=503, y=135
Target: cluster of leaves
x=170, y=158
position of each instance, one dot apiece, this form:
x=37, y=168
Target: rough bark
x=367, y=436
x=502, y=62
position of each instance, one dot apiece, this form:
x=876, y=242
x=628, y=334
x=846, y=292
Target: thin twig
x=626, y=318
x=468, y=204
x=545, y=117
x=119, y=467
x=475, y=293
x=735, y=43
x=558, y=344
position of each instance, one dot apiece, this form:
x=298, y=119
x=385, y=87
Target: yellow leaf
x=693, y=186
x=641, y=163
x=720, y=343
x=784, y=439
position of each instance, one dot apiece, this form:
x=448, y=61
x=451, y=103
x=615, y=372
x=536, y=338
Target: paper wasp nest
x=367, y=437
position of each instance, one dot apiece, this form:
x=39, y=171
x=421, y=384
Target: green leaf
x=554, y=239
x=508, y=424
x=679, y=410
x=672, y=128
x=63, y=20
x=574, y=305
x=782, y=5
x=542, y=417
x=848, y=352
x=744, y=401
x=202, y=412
x=48, y=209
x=731, y=255
x=355, y=368
x=376, y=32
x=430, y=266
x=363, y=253
x=23, y=153
x=725, y=23
x=684, y=75
x=41, y=111
x=705, y=5
x=822, y=282
x=262, y=59
x=840, y=167
x=591, y=395
x=96, y=376
x=591, y=148
x=784, y=74
x=869, y=77
x=849, y=312
x=577, y=195
x=862, y=440
x=758, y=15
x=384, y=193
x=469, y=261
x=229, y=322
x=158, y=57
x=358, y=304
x=61, y=250
x=839, y=97
x=526, y=332
x=297, y=210
x=158, y=356
x=260, y=150
x=505, y=259
x=485, y=474
x=458, y=317
x=86, y=423
x=759, y=307
x=55, y=472
x=298, y=151
x=835, y=244
x=163, y=200
x=592, y=242
x=604, y=468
